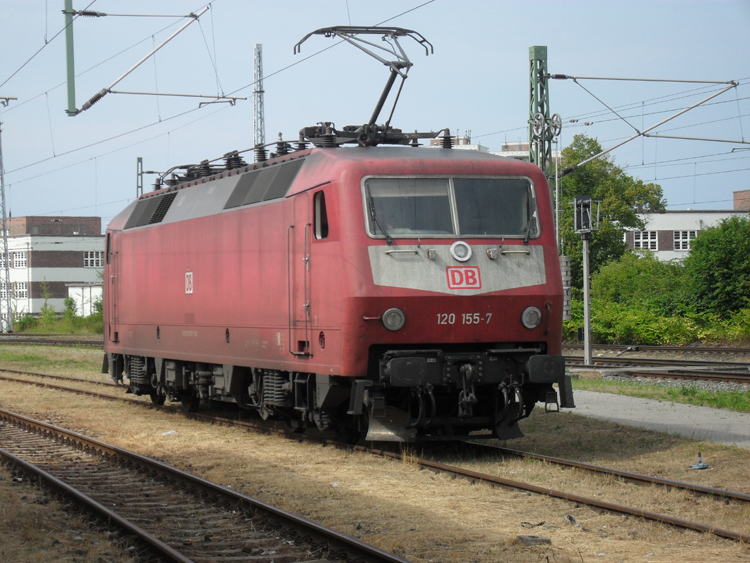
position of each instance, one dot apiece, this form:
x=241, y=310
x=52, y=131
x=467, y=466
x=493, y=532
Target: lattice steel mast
x=259, y=123
x=543, y=128
x=6, y=290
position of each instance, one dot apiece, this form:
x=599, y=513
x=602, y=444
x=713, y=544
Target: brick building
x=46, y=254
x=742, y=200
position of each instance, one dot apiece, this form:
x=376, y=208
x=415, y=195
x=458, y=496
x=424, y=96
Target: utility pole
x=259, y=122
x=6, y=289
x=70, y=59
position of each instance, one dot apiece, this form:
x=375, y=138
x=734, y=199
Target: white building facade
x=47, y=254
x=669, y=235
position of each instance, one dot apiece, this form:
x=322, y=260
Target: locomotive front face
x=464, y=319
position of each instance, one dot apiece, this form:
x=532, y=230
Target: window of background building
x=645, y=239
x=21, y=290
x=3, y=290
x=93, y=259
x=19, y=259
x=682, y=239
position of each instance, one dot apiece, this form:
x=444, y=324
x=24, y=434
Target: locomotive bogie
x=409, y=294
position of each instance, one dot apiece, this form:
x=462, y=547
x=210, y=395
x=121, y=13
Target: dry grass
x=418, y=514
x=35, y=528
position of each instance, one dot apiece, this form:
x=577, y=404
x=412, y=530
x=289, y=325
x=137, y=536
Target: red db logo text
x=464, y=277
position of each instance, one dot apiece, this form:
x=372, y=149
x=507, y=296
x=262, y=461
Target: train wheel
x=191, y=404
x=348, y=432
x=158, y=399
x=296, y=426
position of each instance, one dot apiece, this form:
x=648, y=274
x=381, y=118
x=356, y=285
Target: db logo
x=464, y=277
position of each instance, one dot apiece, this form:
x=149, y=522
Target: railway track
x=180, y=516
x=646, y=348
x=52, y=340
x=486, y=478
x=738, y=372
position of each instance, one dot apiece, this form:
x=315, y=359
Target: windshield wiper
x=530, y=216
x=388, y=239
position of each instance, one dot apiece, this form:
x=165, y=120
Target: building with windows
x=668, y=235
x=47, y=254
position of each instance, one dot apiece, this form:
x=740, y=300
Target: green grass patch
x=67, y=324
x=734, y=401
x=51, y=359
x=7, y=355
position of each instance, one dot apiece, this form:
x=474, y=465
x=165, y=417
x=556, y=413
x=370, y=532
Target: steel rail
x=456, y=471
x=338, y=539
x=695, y=375
x=638, y=348
x=36, y=341
x=62, y=377
x=459, y=472
x=71, y=492
x=661, y=362
x=712, y=491
x=627, y=475
x=611, y=507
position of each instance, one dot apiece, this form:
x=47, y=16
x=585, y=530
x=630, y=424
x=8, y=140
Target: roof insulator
x=447, y=141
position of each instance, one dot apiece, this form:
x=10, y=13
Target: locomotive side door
x=112, y=258
x=299, y=236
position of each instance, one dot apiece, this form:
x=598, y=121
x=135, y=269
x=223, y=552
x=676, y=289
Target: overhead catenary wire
x=167, y=133
x=20, y=104
x=703, y=174
x=40, y=50
x=690, y=159
x=49, y=118
x=649, y=102
x=194, y=109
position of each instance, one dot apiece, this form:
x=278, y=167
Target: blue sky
x=476, y=80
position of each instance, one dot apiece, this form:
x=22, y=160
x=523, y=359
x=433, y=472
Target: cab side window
x=321, y=217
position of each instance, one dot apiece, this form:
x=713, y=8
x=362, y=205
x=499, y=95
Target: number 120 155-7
x=465, y=318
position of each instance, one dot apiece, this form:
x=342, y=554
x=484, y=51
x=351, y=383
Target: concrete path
x=689, y=421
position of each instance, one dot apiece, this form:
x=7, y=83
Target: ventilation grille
x=264, y=185
x=161, y=209
x=150, y=211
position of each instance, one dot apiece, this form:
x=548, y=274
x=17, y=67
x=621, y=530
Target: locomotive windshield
x=465, y=206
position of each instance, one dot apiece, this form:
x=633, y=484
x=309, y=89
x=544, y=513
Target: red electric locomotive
x=404, y=293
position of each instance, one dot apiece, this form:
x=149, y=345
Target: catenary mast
x=6, y=289
x=259, y=123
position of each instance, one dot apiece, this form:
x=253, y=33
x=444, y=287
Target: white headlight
x=394, y=319
x=531, y=317
x=460, y=251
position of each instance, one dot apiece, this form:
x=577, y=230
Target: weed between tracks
x=427, y=517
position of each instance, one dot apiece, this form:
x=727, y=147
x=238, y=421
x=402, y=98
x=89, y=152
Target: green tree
x=623, y=199
x=719, y=267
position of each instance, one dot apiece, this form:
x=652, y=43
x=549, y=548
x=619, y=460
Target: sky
x=476, y=82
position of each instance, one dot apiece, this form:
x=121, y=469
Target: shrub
x=719, y=267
